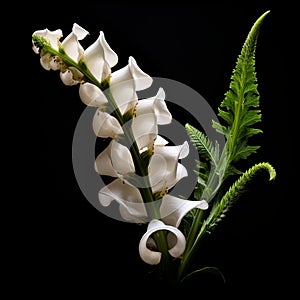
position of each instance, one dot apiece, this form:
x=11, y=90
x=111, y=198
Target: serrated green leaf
x=238, y=107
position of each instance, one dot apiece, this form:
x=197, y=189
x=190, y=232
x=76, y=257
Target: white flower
x=133, y=209
x=164, y=170
x=52, y=36
x=100, y=58
x=172, y=211
x=71, y=44
x=123, y=86
x=176, y=242
x=150, y=112
x=115, y=160
x=131, y=205
x=105, y=125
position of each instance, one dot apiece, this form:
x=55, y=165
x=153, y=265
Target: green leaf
x=239, y=107
x=209, y=160
x=205, y=147
x=206, y=270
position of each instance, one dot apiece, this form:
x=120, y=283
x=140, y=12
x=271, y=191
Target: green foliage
x=240, y=113
x=210, y=156
x=240, y=109
x=220, y=209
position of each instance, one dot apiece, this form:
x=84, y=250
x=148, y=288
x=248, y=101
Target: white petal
x=174, y=152
x=173, y=209
x=132, y=207
x=99, y=58
x=121, y=158
x=125, y=82
x=144, y=129
x=160, y=141
x=157, y=106
x=164, y=169
x=105, y=125
x=71, y=43
x=103, y=163
x=181, y=172
x=153, y=257
x=141, y=79
x=115, y=160
x=67, y=78
x=91, y=95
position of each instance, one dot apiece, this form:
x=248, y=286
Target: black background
x=63, y=245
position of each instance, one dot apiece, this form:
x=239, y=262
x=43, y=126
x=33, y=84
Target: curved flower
x=100, y=58
x=153, y=257
x=105, y=125
x=125, y=82
x=131, y=205
x=71, y=47
x=115, y=160
x=123, y=86
x=149, y=113
x=173, y=209
x=71, y=44
x=164, y=169
x=133, y=209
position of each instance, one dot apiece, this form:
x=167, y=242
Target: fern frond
x=205, y=147
x=221, y=208
x=239, y=109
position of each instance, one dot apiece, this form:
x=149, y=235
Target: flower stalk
x=141, y=170
x=142, y=165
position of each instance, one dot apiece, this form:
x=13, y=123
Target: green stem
x=198, y=228
x=188, y=255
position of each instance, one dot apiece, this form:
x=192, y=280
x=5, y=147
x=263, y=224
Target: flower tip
x=161, y=94
x=203, y=205
x=142, y=80
x=79, y=31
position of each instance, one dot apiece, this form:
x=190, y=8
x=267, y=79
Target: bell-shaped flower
x=164, y=169
x=133, y=208
x=100, y=58
x=73, y=48
x=123, y=86
x=172, y=211
x=176, y=242
x=115, y=160
x=150, y=113
x=105, y=125
x=131, y=205
x=125, y=82
x=71, y=44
